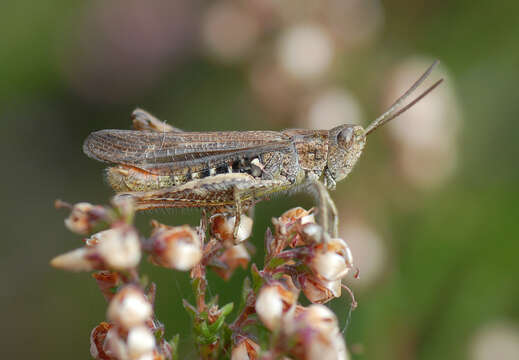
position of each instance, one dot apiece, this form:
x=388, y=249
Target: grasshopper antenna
x=396, y=108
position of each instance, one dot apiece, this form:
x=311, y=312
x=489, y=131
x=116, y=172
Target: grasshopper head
x=345, y=144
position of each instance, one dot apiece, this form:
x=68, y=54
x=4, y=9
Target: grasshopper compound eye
x=346, y=137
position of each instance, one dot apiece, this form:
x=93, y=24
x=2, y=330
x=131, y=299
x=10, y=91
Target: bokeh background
x=431, y=211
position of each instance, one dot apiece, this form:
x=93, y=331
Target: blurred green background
x=431, y=215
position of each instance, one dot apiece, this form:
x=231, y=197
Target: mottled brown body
x=181, y=169
x=160, y=166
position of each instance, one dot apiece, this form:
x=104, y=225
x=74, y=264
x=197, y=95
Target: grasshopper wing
x=162, y=153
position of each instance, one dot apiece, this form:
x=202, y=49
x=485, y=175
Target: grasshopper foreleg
x=327, y=210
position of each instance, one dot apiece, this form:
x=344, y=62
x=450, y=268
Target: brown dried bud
x=97, y=341
x=319, y=290
x=107, y=282
x=222, y=227
x=230, y=259
x=176, y=247
x=245, y=349
x=289, y=226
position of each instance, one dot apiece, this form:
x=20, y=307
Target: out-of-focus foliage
x=430, y=212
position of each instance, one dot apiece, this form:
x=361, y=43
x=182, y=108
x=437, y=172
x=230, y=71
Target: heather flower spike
x=224, y=174
x=301, y=257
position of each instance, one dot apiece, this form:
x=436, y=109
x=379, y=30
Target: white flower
x=330, y=266
x=495, y=340
x=333, y=260
x=274, y=300
x=316, y=332
x=322, y=319
x=147, y=356
x=115, y=345
x=177, y=247
x=223, y=228
x=306, y=51
x=120, y=248
x=129, y=307
x=75, y=260
x=426, y=136
x=140, y=342
x=269, y=306
x=229, y=31
x=332, y=108
x=333, y=348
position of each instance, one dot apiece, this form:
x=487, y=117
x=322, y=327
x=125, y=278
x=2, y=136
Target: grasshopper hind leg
x=144, y=121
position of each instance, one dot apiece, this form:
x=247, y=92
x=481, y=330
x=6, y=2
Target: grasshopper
x=159, y=166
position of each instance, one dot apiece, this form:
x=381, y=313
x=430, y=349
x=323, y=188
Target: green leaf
x=257, y=280
x=204, y=330
x=245, y=291
x=227, y=309
x=191, y=310
x=174, y=346
x=275, y=262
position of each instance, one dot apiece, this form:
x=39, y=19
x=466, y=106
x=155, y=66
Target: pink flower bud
x=118, y=248
x=85, y=217
x=129, y=307
x=245, y=349
x=82, y=259
x=176, y=247
x=222, y=227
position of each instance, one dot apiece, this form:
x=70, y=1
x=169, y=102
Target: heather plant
x=266, y=321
